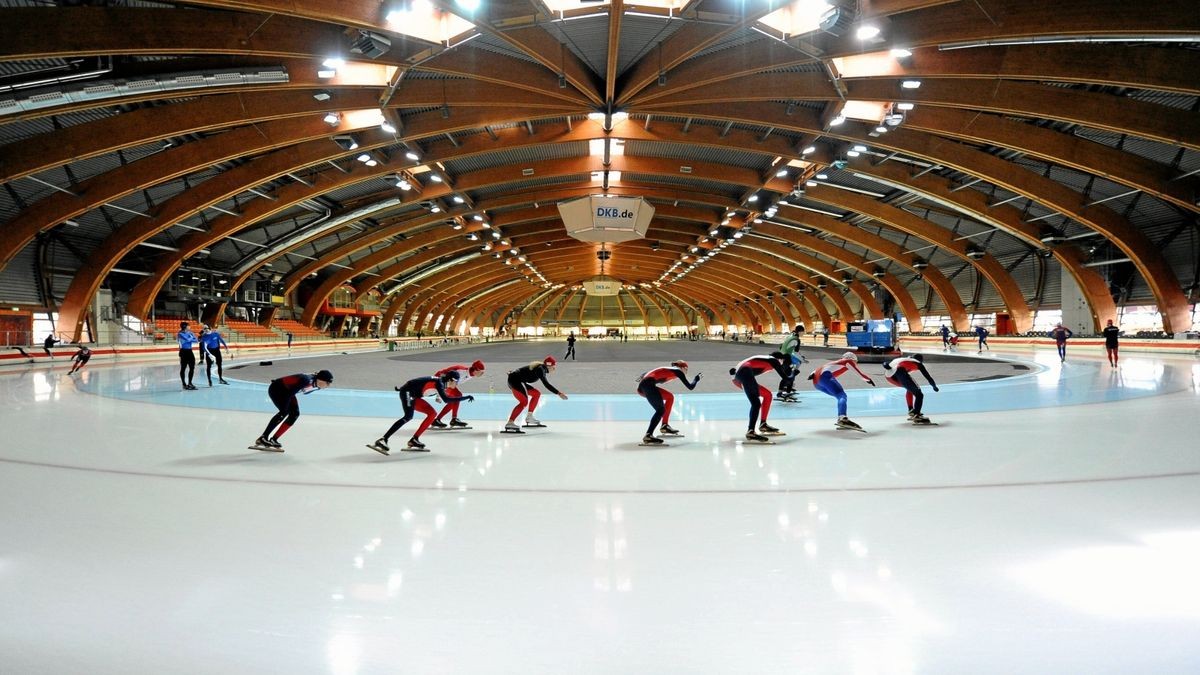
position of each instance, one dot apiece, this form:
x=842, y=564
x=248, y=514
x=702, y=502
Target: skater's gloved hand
x=871, y=382
x=935, y=388
x=562, y=396
x=698, y=376
x=470, y=398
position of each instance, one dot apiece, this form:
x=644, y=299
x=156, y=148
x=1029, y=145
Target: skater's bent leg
x=293, y=414
x=522, y=401
x=534, y=397
x=422, y=406
x=668, y=401
x=656, y=401
x=407, y=405
x=766, y=401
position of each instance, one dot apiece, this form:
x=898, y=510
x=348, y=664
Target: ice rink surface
x=1051, y=524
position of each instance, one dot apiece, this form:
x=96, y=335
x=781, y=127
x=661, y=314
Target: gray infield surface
x=601, y=366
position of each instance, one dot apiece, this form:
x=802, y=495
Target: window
x=1046, y=319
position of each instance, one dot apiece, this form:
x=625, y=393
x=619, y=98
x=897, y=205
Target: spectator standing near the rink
x=570, y=347
x=282, y=393
x=186, y=340
x=48, y=343
x=745, y=375
x=519, y=382
x=1112, y=336
x=1061, y=334
x=825, y=380
x=902, y=377
x=825, y=336
x=982, y=334
x=660, y=399
x=464, y=373
x=79, y=359
x=945, y=338
x=210, y=352
x=412, y=401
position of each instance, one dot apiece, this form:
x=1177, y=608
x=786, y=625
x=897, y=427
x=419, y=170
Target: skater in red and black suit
x=825, y=380
x=660, y=399
x=464, y=373
x=519, y=382
x=1112, y=340
x=412, y=401
x=744, y=378
x=902, y=377
x=79, y=359
x=1061, y=334
x=283, y=394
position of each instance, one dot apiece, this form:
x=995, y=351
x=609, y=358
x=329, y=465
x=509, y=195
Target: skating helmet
x=918, y=357
x=550, y=361
x=779, y=355
x=324, y=376
x=477, y=367
x=850, y=356
x=450, y=375
x=680, y=364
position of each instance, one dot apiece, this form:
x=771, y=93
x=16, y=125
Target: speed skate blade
x=654, y=445
x=264, y=448
x=449, y=428
x=533, y=426
x=773, y=433
x=746, y=441
x=511, y=431
x=841, y=428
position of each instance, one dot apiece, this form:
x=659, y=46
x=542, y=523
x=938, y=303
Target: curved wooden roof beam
x=976, y=204
x=1143, y=66
x=1134, y=243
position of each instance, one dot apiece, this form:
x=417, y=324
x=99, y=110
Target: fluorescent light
x=326, y=73
x=867, y=32
x=781, y=173
x=811, y=183
x=881, y=130
x=469, y=5
x=905, y=106
x=477, y=218
x=458, y=199
x=412, y=155
x=435, y=209
x=371, y=162
x=363, y=157
x=809, y=150
x=332, y=118
x=435, y=178
x=860, y=148
x=853, y=153
x=837, y=120
x=911, y=84
x=901, y=53
x=822, y=176
x=387, y=128
x=752, y=198
x=334, y=62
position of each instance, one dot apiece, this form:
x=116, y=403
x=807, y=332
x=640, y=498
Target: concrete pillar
x=1076, y=312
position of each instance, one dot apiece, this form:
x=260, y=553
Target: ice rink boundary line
x=649, y=491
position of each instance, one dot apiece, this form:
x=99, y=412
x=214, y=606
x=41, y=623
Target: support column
x=1076, y=312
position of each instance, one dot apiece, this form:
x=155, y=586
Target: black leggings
x=285, y=401
x=649, y=389
x=209, y=357
x=187, y=363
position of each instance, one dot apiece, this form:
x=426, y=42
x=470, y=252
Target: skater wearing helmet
x=80, y=358
x=464, y=373
x=824, y=379
x=412, y=401
x=1061, y=334
x=519, y=382
x=744, y=378
x=283, y=394
x=660, y=399
x=902, y=377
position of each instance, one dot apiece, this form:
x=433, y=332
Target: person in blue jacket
x=210, y=351
x=982, y=334
x=186, y=340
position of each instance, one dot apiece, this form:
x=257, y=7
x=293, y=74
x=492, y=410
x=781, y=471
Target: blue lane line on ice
x=1050, y=385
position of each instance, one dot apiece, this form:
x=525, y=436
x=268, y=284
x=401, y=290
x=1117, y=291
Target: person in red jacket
x=744, y=378
x=903, y=368
x=660, y=399
x=283, y=394
x=464, y=373
x=824, y=379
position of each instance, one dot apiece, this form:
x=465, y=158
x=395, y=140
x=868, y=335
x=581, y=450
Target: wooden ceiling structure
x=777, y=198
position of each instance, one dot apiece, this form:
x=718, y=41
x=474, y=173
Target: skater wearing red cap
x=744, y=378
x=824, y=379
x=464, y=373
x=283, y=394
x=412, y=402
x=519, y=382
x=660, y=399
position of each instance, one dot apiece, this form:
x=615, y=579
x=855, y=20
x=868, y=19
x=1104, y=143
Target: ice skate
x=415, y=446
x=921, y=420
x=222, y=381
x=650, y=440
x=668, y=430
x=438, y=424
x=847, y=423
x=511, y=427
x=753, y=437
x=532, y=422
x=768, y=430
x=380, y=446
x=266, y=445
x=912, y=414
